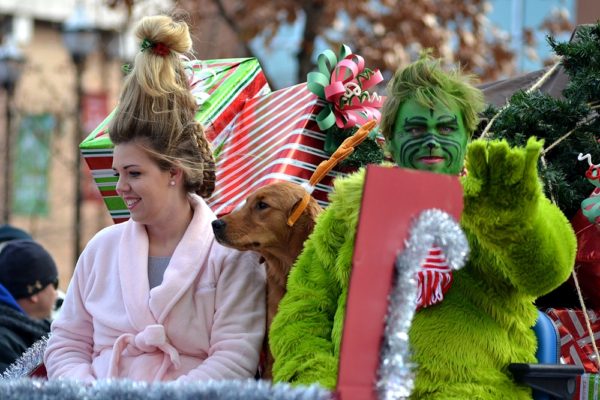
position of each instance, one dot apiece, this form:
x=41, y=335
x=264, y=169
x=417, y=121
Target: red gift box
x=575, y=343
x=588, y=256
x=279, y=136
x=274, y=138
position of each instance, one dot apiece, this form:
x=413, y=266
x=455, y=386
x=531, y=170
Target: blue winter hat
x=9, y=232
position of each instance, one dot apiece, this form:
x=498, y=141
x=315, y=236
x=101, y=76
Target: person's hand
x=501, y=188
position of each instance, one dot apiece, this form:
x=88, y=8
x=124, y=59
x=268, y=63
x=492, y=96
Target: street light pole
x=77, y=140
x=11, y=63
x=9, y=93
x=80, y=38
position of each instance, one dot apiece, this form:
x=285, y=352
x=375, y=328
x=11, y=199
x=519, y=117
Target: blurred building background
x=59, y=97
x=40, y=116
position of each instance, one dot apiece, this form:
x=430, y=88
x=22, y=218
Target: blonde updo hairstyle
x=156, y=109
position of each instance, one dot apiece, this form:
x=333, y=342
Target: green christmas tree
x=569, y=126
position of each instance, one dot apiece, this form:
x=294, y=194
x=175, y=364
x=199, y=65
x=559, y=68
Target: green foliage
x=368, y=152
x=538, y=114
x=581, y=60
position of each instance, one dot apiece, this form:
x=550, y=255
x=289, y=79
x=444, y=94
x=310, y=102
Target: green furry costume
x=521, y=245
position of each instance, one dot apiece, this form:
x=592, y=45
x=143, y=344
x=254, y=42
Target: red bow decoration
x=342, y=81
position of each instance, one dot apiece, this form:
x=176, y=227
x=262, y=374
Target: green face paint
x=429, y=139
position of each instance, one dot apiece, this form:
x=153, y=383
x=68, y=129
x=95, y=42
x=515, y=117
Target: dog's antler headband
x=345, y=149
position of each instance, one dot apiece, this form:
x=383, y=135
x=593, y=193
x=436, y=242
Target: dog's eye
x=261, y=205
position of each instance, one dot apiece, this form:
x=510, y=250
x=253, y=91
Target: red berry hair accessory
x=160, y=49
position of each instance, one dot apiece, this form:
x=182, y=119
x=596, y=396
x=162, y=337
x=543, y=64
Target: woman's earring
x=172, y=183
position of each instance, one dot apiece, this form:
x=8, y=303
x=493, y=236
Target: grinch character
x=521, y=245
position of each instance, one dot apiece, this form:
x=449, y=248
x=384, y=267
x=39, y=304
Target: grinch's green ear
x=390, y=149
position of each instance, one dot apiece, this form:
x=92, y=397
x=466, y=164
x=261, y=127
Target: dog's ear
x=313, y=209
x=306, y=221
x=294, y=207
x=303, y=226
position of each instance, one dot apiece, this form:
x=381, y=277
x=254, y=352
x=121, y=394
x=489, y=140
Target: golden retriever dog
x=261, y=225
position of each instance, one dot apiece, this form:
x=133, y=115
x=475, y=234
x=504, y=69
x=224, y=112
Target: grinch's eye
x=416, y=130
x=447, y=129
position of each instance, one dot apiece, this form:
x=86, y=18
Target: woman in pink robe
x=156, y=297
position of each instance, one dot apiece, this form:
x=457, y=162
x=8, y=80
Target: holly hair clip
x=160, y=49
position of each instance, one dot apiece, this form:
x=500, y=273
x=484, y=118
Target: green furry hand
x=501, y=188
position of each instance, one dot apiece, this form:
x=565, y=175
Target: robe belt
x=151, y=339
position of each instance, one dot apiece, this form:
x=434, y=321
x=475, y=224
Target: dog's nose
x=218, y=225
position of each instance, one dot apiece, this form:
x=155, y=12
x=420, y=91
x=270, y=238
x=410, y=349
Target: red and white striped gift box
x=274, y=138
x=575, y=342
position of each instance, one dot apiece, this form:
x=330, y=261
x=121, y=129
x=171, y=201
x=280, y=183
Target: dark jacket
x=17, y=331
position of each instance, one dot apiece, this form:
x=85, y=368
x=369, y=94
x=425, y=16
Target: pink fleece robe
x=205, y=321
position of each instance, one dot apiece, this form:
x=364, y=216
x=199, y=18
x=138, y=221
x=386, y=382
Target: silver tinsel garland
x=28, y=389
x=25, y=364
x=396, y=371
x=14, y=385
